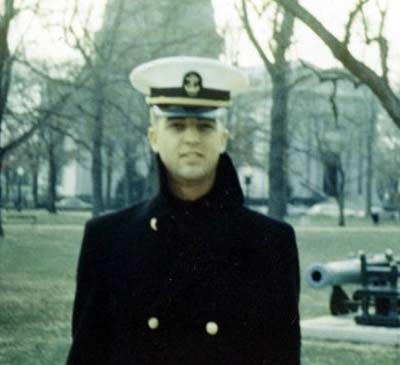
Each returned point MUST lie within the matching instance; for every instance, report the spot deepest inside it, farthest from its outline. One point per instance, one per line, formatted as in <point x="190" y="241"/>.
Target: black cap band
<point x="179" y="92"/>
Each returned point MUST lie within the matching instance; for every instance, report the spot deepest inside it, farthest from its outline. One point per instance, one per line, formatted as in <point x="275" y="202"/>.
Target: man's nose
<point x="191" y="134"/>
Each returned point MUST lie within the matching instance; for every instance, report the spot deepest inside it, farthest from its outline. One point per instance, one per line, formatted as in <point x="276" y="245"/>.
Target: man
<point x="192" y="276"/>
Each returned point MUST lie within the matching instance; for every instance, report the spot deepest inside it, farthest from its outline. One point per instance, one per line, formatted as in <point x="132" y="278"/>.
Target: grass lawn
<point x="37" y="271"/>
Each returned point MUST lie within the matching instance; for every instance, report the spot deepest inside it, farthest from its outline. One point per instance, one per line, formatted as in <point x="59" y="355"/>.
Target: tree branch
<point x="28" y="134"/>
<point x="332" y="74"/>
<point x="245" y="20"/>
<point x="378" y="85"/>
<point x="66" y="133"/>
<point x="358" y="9"/>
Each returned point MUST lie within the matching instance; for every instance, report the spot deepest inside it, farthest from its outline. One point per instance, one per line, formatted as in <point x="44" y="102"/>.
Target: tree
<point x="20" y="112"/>
<point x="6" y="62"/>
<point x="378" y="84"/>
<point x="191" y="33"/>
<point x="278" y="69"/>
<point x="34" y="154"/>
<point x="388" y="164"/>
<point x="110" y="110"/>
<point x="332" y="139"/>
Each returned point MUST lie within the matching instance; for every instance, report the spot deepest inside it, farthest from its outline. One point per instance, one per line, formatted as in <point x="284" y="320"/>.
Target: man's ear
<point x="152" y="137"/>
<point x="224" y="140"/>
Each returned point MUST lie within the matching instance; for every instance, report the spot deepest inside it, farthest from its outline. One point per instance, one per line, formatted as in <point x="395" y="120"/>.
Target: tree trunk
<point x="1" y="198"/>
<point x="5" y="59"/>
<point x="370" y="162"/>
<point x="7" y="186"/>
<point x="277" y="173"/>
<point x="129" y="175"/>
<point x="109" y="174"/>
<point x="334" y="181"/>
<point x="52" y="181"/>
<point x="341" y="192"/>
<point x="97" y="160"/>
<point x="340" y="202"/>
<point x="35" y="186"/>
<point x="277" y="68"/>
<point x="360" y="164"/>
<point x="309" y="158"/>
<point x="126" y="178"/>
<point x="5" y="81"/>
<point x="97" y="178"/>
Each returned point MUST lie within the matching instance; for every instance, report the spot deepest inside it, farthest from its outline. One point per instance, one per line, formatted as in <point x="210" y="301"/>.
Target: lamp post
<point x="248" y="176"/>
<point x="20" y="173"/>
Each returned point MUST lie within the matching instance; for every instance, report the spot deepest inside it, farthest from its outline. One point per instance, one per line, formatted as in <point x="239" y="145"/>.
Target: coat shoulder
<point x="261" y="222"/>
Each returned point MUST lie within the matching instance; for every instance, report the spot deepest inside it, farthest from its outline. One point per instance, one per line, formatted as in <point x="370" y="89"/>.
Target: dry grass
<point x="37" y="270"/>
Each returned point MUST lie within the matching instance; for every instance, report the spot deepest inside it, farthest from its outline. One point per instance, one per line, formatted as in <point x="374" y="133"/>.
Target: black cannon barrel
<point x="340" y="272"/>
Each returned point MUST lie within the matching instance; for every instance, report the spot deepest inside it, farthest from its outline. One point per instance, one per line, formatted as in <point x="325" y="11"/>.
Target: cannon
<point x="376" y="299"/>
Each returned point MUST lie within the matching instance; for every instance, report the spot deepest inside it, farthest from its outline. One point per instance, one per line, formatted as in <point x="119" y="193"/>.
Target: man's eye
<point x="205" y="126"/>
<point x="177" y="126"/>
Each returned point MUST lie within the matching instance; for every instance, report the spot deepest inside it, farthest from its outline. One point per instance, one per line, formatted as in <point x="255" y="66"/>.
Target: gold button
<point x="211" y="328"/>
<point x="153" y="323"/>
<point x="153" y="223"/>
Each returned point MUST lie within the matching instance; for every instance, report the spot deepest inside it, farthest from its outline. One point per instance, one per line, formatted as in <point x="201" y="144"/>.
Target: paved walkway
<point x="45" y="226"/>
<point x="337" y="229"/>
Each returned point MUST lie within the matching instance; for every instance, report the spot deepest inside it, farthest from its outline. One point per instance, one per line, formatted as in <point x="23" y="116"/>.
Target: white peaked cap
<point x="188" y="81"/>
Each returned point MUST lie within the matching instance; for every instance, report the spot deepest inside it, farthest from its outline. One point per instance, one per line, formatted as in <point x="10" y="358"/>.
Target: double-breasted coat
<point x="172" y="282"/>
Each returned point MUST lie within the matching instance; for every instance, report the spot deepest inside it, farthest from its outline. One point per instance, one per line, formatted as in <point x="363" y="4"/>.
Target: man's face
<point x="189" y="148"/>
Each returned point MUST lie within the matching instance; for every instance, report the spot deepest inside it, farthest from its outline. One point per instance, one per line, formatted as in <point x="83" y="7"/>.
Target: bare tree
<point x="378" y="83"/>
<point x="20" y="115"/>
<point x="34" y="154"/>
<point x="278" y="69"/>
<point x="334" y="173"/>
<point x="107" y="105"/>
<point x="328" y="117"/>
<point x="388" y="165"/>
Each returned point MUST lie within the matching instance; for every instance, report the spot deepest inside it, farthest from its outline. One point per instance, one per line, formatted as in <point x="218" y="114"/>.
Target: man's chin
<point x="192" y="173"/>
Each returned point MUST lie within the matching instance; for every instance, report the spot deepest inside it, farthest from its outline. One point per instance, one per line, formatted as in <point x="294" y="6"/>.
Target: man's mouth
<point x="191" y="154"/>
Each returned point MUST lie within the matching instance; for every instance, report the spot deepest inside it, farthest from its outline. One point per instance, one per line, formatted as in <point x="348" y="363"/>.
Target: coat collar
<point x="226" y="194"/>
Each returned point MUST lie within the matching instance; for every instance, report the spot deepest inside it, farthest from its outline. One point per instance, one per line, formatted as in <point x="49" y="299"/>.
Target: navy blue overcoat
<point x="171" y="282"/>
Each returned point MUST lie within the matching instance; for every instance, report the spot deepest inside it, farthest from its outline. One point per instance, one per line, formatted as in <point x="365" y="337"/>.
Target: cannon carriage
<point x="376" y="301"/>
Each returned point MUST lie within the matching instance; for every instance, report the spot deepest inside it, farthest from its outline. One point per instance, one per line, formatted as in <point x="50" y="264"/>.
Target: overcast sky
<point x="307" y="46"/>
<point x="44" y="43"/>
<point x="43" y="36"/>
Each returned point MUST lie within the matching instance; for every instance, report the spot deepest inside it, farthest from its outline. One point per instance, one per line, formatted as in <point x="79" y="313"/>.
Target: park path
<point x="46" y="226"/>
<point x="383" y="229"/>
